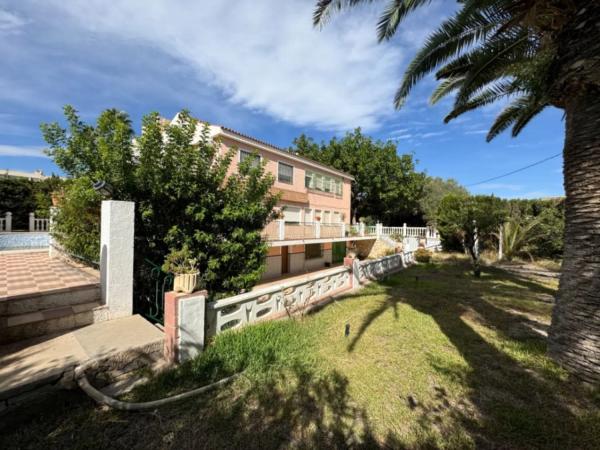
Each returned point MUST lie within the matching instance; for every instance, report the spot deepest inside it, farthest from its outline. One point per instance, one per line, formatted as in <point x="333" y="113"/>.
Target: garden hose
<point x="104" y="399"/>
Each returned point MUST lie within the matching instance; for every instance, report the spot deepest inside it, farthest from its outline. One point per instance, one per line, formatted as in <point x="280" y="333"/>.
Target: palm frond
<point x="518" y="113"/>
<point x="395" y="13"/>
<point x="445" y="88"/>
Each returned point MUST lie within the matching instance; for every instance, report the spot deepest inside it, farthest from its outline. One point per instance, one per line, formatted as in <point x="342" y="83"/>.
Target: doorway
<point x="285" y="260"/>
<point x="338" y="252"/>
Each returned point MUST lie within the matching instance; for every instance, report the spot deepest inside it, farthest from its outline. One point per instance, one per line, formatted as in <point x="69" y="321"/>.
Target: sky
<point x="258" y="67"/>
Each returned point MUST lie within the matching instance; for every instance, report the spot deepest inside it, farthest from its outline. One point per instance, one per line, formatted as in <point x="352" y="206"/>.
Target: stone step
<point x="22" y="326"/>
<point x="57" y="298"/>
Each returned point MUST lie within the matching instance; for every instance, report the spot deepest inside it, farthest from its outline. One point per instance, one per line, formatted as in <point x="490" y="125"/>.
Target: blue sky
<point x="258" y="67"/>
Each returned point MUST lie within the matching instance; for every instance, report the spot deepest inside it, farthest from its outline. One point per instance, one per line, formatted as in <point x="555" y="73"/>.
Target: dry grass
<point x="434" y="359"/>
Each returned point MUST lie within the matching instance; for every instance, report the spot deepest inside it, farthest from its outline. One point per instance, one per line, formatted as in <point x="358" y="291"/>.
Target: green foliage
<point x="423" y="255"/>
<point x="180" y="262"/>
<point x="460" y="215"/>
<point x="21" y="196"/>
<point x="489" y="51"/>
<point x="434" y="190"/>
<point x="386" y="188"/>
<point x="184" y="198"/>
<point x="77" y="221"/>
<point x="517" y="237"/>
<point x="547" y="238"/>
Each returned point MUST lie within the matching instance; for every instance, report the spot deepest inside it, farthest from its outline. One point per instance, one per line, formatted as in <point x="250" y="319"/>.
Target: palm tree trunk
<point x="574" y="337"/>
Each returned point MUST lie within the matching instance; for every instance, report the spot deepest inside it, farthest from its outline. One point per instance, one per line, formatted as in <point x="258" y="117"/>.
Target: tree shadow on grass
<point x="510" y="404"/>
<point x="295" y="408"/>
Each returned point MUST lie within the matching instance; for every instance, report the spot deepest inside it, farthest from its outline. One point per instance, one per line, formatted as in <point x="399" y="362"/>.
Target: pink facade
<point x="302" y="204"/>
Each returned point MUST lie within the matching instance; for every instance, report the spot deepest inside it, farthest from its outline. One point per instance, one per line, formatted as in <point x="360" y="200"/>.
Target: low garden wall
<point x="189" y="320"/>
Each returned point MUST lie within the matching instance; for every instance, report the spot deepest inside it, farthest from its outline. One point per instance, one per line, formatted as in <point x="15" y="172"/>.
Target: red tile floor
<point x="23" y="273"/>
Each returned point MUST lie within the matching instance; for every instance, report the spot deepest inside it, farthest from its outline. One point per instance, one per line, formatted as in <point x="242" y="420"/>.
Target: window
<point x="291" y="214"/>
<point x="285" y="173"/>
<point x="244" y="155"/>
<point x="308" y="216"/>
<point x="312" y="251"/>
<point x="326" y="217"/>
<point x="323" y="183"/>
<point x="309" y="180"/>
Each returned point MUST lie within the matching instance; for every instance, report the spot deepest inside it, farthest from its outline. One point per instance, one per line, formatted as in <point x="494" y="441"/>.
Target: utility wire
<point x="515" y="171"/>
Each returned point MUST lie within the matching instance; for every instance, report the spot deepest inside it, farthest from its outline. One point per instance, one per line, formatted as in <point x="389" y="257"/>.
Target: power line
<point x="515" y="171"/>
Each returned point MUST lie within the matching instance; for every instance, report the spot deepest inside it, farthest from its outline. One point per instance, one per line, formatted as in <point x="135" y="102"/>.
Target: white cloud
<point x="476" y="132"/>
<point x="9" y="22"/>
<point x="266" y="56"/>
<point x="432" y="134"/>
<point x="23" y="151"/>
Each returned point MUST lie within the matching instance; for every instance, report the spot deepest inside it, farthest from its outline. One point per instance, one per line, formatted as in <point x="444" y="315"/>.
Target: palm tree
<point x="515" y="235"/>
<point x="535" y="53"/>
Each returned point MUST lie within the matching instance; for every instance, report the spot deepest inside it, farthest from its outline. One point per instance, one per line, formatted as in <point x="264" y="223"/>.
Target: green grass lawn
<point x="434" y="359"/>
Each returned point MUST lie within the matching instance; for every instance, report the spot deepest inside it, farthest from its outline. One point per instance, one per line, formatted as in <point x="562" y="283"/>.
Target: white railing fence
<point x="38" y="224"/>
<point x="6" y="222"/>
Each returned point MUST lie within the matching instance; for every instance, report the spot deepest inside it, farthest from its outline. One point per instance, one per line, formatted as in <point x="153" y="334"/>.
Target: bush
<point x="183" y="196"/>
<point x="423" y="255"/>
<point x="21" y="196"/>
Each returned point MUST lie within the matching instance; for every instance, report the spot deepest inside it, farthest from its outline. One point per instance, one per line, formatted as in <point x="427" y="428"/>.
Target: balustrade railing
<point x="280" y="230"/>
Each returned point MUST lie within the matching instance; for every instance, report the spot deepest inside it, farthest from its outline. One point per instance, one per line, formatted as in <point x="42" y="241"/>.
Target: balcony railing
<point x="279" y="230"/>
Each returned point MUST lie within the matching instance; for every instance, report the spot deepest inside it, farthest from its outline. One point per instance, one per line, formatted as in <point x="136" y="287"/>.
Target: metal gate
<point x="338" y="252"/>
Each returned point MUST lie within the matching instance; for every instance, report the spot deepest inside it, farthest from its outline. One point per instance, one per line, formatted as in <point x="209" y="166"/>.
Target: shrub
<point x="184" y="198"/>
<point x="423" y="255"/>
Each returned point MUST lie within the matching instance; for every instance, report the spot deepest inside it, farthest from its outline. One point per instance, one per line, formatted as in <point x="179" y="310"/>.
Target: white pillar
<point x="362" y="228"/>
<point x="317" y="229"/>
<point x="8" y="217"/>
<point x="281" y="229"/>
<point x="500" y="243"/>
<point x="116" y="256"/>
<point x="52" y="251"/>
<point x="31" y="221"/>
<point x="404" y="230"/>
<point x="343" y="229"/>
<point x="378" y="227"/>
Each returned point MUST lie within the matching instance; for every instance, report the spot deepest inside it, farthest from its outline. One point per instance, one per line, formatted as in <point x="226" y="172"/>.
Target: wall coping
<point x="276" y="288"/>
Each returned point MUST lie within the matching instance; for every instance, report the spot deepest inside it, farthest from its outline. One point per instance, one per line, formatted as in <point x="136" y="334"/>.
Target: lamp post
<point x="103" y="188"/>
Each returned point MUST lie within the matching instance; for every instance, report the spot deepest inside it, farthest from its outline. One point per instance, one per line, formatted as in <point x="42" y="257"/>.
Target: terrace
<point x="279" y="232"/>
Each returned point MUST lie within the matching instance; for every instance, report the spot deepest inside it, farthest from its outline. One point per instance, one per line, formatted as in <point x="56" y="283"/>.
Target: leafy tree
<point x="467" y="217"/>
<point x="183" y="196"/>
<point x="434" y="191"/>
<point x="386" y="188"/>
<point x="536" y="54"/>
<point x="21" y="196"/>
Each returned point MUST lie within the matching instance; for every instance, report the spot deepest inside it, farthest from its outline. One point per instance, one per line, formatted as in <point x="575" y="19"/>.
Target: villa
<point x="314" y="229"/>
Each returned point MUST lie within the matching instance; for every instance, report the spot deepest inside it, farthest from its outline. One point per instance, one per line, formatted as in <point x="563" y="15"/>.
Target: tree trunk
<point x="574" y="337"/>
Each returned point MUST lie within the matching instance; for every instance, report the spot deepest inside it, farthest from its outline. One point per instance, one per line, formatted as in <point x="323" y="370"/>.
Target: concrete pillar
<point x="378" y="228"/>
<point x="317" y="229"/>
<point x="281" y="229"/>
<point x="362" y="228"/>
<point x="404" y="230"/>
<point x="343" y="229"/>
<point x="116" y="256"/>
<point x="52" y="251"/>
<point x="185" y="325"/>
<point x="8" y="217"/>
<point x="31" y="221"/>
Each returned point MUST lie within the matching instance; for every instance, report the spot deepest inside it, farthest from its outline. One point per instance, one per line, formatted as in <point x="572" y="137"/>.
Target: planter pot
<point x="56" y="198"/>
<point x="186" y="282"/>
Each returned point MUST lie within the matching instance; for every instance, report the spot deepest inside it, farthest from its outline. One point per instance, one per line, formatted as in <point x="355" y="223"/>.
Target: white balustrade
<point x="274" y="301"/>
<point x="38" y="224"/>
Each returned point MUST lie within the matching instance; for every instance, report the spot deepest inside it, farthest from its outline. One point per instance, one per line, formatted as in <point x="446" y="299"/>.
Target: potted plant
<point x="185" y="269"/>
<point x="57" y="196"/>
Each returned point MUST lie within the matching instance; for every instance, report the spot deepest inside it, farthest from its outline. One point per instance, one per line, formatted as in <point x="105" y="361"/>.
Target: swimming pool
<point x="25" y="240"/>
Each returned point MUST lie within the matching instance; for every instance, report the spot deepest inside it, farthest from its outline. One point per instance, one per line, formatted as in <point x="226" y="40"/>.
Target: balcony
<point x="279" y="232"/>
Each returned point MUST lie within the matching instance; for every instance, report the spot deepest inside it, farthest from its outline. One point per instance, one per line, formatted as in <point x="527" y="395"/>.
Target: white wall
<point x="273" y="267"/>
